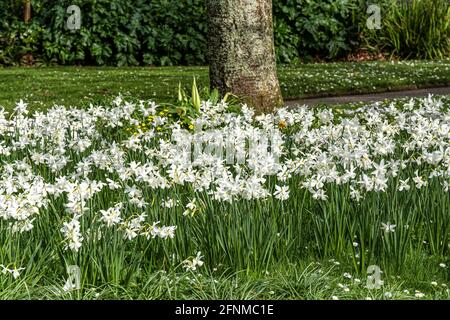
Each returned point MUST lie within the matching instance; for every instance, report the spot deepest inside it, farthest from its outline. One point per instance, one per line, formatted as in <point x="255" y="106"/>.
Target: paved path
<point x="369" y="97"/>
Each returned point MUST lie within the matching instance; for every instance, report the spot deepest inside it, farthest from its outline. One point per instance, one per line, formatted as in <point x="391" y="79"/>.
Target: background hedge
<point x="164" y="32"/>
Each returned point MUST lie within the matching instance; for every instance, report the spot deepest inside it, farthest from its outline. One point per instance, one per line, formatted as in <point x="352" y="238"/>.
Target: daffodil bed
<point x="295" y="204"/>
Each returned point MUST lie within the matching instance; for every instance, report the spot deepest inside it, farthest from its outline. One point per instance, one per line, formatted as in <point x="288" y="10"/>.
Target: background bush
<point x="113" y="32"/>
<point x="323" y="29"/>
<point x="413" y="29"/>
<point x="169" y="32"/>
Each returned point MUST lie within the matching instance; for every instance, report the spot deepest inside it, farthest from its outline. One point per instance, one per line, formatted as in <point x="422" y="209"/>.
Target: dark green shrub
<point x="19" y="40"/>
<point x="117" y="32"/>
<point x="325" y="29"/>
<point x="173" y="32"/>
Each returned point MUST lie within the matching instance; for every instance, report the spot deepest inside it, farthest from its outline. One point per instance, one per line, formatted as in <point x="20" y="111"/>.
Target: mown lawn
<point x="43" y="87"/>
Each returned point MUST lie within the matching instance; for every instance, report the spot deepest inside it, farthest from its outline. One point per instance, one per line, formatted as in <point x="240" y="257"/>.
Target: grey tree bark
<point x="242" y="51"/>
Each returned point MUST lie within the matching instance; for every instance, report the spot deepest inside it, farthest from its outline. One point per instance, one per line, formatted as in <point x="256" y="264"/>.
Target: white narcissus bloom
<point x="15" y="272"/>
<point x="388" y="227"/>
<point x="191" y="208"/>
<point x="281" y="193"/>
<point x="111" y="216"/>
<point x="130" y="233"/>
<point x="197" y="260"/>
<point x="167" y="232"/>
<point x="72" y="233"/>
<point x="319" y="195"/>
<point x="404" y="186"/>
<point x="170" y="203"/>
<point x="194" y="263"/>
<point x="21" y="107"/>
<point x="419" y="181"/>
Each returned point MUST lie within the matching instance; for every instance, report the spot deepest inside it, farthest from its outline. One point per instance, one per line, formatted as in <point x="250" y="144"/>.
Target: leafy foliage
<point x="114" y="32"/>
<point x="320" y="28"/>
<point x="166" y="33"/>
<point x="413" y="29"/>
<point x="186" y="108"/>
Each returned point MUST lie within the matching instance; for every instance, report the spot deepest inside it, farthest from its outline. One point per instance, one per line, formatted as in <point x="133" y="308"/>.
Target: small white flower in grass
<point x="343" y="287"/>
<point x="348" y="275"/>
<point x="388" y="227"/>
<point x="170" y="203"/>
<point x="68" y="286"/>
<point x="419" y="181"/>
<point x="113" y="185"/>
<point x="434" y="283"/>
<point x="21" y="107"/>
<point x="130" y="233"/>
<point x="191" y="208"/>
<point x="22" y="226"/>
<point x="319" y="195"/>
<point x="388" y="295"/>
<point x="118" y="100"/>
<point x="15" y="272"/>
<point x="197" y="260"/>
<point x="404" y="185"/>
<point x="446" y="186"/>
<point x="355" y="194"/>
<point x="72" y="233"/>
<point x="442" y="265"/>
<point x="355" y="244"/>
<point x="167" y="232"/>
<point x="111" y="216"/>
<point x="281" y="193"/>
<point x="194" y="263"/>
<point x="334" y="298"/>
<point x="153" y="230"/>
<point x="419" y="294"/>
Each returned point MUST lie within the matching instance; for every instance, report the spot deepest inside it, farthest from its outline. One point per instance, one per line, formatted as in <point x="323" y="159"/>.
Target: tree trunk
<point x="27" y="11"/>
<point x="242" y="51"/>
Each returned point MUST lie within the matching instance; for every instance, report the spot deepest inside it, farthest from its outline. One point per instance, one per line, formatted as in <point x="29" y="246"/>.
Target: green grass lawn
<point x="43" y="87"/>
<point x="324" y="280"/>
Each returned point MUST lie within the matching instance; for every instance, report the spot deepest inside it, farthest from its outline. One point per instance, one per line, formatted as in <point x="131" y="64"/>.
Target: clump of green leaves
<point x="187" y="107"/>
